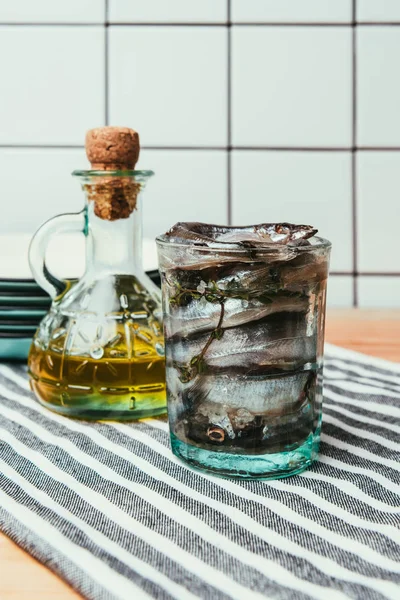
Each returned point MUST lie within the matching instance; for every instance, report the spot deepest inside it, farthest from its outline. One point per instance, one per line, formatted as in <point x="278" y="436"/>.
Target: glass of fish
<point x="244" y="311"/>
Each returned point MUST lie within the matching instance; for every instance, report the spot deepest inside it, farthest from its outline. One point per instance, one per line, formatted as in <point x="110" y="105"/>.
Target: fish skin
<point x="263" y="233"/>
<point x="242" y="394"/>
<point x="257" y="394"/>
<point x="251" y="278"/>
<point x="200" y="257"/>
<point x="254" y="278"/>
<point x="235" y="243"/>
<point x="273" y="342"/>
<point x="205" y="246"/>
<point x="260" y="435"/>
<point x="201" y="315"/>
<point x="303" y="272"/>
<point x="277" y="423"/>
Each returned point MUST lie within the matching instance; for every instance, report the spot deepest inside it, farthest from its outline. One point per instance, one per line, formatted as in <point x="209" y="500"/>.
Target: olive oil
<point x="125" y="381"/>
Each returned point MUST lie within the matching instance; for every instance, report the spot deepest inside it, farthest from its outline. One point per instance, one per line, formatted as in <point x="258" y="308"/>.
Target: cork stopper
<point x="113" y="149"/>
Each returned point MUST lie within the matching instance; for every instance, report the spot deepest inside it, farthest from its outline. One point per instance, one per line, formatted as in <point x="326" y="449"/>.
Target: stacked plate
<point x="23" y="303"/>
<point x="22" y="306"/>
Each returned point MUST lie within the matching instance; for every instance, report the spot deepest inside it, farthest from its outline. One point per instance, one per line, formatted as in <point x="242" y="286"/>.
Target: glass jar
<point x="244" y="334"/>
<point x="99" y="352"/>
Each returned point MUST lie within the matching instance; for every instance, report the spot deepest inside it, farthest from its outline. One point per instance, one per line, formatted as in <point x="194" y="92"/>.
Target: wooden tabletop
<point x="372" y="332"/>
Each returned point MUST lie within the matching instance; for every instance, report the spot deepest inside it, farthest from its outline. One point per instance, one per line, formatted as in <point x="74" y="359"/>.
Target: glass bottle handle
<point x="37" y="249"/>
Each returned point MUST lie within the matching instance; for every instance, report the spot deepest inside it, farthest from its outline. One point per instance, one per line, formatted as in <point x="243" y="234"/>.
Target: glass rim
<point x="113" y="173"/>
<point x="229" y="248"/>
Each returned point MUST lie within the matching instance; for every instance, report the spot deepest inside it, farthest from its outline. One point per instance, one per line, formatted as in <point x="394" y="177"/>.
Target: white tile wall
<point x="375" y="292"/>
<point x="378" y="86"/>
<point x="49" y="11"/>
<point x="291" y="86"/>
<point x="378" y="10"/>
<point x="171" y="83"/>
<point x="188" y="185"/>
<point x="378" y="198"/>
<point x="52" y="83"/>
<point x="260" y="120"/>
<point x="167" y="11"/>
<point x="36" y="184"/>
<point x="291" y="11"/>
<point x="303" y="187"/>
<point x="340" y="291"/>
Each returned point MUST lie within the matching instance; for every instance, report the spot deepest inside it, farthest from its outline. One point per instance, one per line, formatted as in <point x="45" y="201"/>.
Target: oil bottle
<point x="99" y="352"/>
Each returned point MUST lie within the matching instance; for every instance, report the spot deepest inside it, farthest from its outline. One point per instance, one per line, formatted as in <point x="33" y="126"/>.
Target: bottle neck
<point x="114" y="247"/>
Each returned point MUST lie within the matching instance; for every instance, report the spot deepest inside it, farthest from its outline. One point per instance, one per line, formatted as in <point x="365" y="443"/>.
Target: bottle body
<point x="99" y="352"/>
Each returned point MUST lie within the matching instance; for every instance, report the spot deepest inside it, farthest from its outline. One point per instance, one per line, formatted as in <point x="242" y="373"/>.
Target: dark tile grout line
<point x="352" y="23"/>
<point x="99" y="24"/>
<point x="211" y="24"/>
<point x="377" y="24"/>
<point x="318" y="148"/>
<point x="293" y="148"/>
<point x="42" y="146"/>
<point x="208" y="148"/>
<point x="364" y="274"/>
<point x="229" y="115"/>
<point x="229" y="188"/>
<point x="353" y="155"/>
<point x="349" y="150"/>
<point x="229" y="23"/>
<point x="106" y="69"/>
<point x="377" y="148"/>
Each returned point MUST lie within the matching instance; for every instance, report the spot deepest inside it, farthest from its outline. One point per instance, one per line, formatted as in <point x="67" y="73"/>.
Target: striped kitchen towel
<point x="108" y="508"/>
